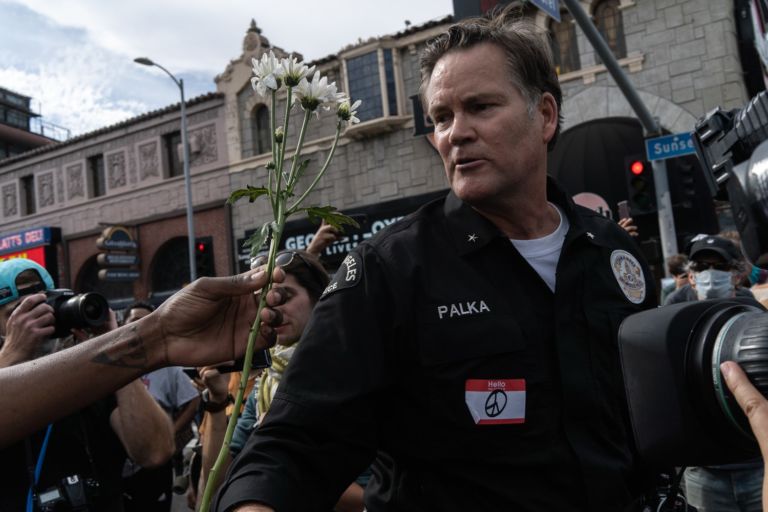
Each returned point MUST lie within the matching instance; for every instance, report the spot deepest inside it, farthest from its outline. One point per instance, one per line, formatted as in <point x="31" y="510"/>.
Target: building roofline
<point x="106" y="129"/>
<point x="397" y="35"/>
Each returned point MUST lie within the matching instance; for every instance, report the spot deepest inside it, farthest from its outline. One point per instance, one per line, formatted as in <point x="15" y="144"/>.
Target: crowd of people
<point x="465" y="358"/>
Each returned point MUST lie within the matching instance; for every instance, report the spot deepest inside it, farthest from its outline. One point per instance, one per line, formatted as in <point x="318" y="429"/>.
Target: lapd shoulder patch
<point x="629" y="275"/>
<point x="349" y="274"/>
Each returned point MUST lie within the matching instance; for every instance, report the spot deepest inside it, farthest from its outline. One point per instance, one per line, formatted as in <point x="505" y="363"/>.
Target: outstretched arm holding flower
<point x="206" y="322"/>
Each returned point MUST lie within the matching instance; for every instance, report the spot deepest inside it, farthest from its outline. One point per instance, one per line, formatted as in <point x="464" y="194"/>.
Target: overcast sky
<point x="75" y="57"/>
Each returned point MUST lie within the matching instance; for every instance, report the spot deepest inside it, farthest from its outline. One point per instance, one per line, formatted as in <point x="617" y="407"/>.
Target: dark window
<point x="609" y="23"/>
<point x="262" y="138"/>
<point x="16" y="118"/>
<point x="565" y="51"/>
<point x="390" y="75"/>
<point x="28" y="195"/>
<point x="365" y="84"/>
<point x="172" y="144"/>
<point x="98" y="186"/>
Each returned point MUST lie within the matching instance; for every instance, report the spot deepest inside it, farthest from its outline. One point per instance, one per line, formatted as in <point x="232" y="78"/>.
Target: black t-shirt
<point x="82" y="444"/>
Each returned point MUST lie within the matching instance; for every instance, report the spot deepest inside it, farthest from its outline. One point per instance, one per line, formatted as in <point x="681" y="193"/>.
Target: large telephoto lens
<point x="734" y="332"/>
<point x="681" y="411"/>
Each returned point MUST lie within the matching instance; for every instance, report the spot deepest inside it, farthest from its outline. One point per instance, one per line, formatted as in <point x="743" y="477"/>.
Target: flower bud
<point x="279" y="134"/>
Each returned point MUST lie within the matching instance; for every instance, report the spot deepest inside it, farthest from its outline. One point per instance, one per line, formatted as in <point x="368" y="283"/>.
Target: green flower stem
<point x="296" y="204"/>
<point x="213" y="477"/>
<point x="279" y="164"/>
<point x="297" y="154"/>
<point x="272" y="122"/>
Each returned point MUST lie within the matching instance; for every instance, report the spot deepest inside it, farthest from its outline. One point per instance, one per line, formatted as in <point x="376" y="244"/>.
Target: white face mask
<point x="713" y="284"/>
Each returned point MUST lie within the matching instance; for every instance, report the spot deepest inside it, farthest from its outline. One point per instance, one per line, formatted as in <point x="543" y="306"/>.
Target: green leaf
<point x="256" y="240"/>
<point x="252" y="193"/>
<point x="331" y="216"/>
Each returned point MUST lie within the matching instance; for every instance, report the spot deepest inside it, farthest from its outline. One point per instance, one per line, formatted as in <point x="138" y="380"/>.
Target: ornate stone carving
<point x="10" y="205"/>
<point x="203" y="147"/>
<point x="148" y="161"/>
<point x="45" y="189"/>
<point x="75" y="182"/>
<point x="59" y="185"/>
<point x="116" y="170"/>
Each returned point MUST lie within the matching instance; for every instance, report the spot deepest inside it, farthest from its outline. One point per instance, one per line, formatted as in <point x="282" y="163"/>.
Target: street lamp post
<point x="187" y="180"/>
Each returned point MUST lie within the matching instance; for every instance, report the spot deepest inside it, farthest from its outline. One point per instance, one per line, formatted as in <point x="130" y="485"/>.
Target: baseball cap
<point x="717" y="244"/>
<point x="10" y="270"/>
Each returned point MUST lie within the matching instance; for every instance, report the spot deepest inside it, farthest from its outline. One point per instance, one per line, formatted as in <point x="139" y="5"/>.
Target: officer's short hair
<point x="528" y="54"/>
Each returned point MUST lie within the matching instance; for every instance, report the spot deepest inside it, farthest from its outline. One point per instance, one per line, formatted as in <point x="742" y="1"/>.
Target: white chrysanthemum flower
<point x="347" y="112"/>
<point x="267" y="73"/>
<point x="294" y="71"/>
<point x="318" y="92"/>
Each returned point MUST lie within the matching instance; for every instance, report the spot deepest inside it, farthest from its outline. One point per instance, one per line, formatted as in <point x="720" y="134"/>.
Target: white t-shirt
<point x="543" y="253"/>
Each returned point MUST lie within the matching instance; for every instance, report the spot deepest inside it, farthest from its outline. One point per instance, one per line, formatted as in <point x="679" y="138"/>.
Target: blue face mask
<point x="713" y="284"/>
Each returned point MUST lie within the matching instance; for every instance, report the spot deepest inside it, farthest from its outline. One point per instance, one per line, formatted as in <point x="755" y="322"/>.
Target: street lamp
<point x="187" y="181"/>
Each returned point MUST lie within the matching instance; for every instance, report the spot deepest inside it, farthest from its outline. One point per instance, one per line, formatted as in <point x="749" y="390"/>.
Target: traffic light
<point x="684" y="176"/>
<point x="204" y="256"/>
<point x="640" y="189"/>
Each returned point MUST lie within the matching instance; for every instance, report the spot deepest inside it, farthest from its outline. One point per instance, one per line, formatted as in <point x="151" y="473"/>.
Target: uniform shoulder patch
<point x="349" y="274"/>
<point x="629" y="275"/>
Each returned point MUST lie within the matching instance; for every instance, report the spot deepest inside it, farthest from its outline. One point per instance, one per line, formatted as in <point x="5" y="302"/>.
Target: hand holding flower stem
<point x="271" y="74"/>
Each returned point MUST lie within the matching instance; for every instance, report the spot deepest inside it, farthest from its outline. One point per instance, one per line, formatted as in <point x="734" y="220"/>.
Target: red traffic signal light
<point x="640" y="187"/>
<point x="201" y="247"/>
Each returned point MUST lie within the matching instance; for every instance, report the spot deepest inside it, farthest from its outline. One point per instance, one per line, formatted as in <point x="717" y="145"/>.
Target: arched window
<point x="262" y="138"/>
<point x="565" y="51"/>
<point x="170" y="266"/>
<point x="609" y="22"/>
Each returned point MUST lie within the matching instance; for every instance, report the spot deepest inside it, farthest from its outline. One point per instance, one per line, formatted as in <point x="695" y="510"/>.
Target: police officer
<point x="471" y="347"/>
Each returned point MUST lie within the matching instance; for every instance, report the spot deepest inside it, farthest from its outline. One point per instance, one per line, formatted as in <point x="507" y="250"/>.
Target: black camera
<point x="74" y="493"/>
<point x="681" y="411"/>
<point x="77" y="311"/>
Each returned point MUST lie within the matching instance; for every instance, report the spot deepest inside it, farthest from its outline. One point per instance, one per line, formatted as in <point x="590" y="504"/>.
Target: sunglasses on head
<point x="288" y="260"/>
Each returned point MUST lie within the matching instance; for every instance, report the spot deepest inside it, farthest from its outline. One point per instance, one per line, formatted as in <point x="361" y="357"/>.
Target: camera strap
<point x="87" y="446"/>
<point x="38" y="467"/>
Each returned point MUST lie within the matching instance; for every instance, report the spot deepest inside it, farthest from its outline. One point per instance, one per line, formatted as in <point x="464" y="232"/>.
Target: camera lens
<point x="83" y="310"/>
<point x="744" y="339"/>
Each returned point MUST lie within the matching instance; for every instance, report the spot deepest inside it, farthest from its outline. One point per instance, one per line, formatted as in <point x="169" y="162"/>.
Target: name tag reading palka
<point x="496" y="401"/>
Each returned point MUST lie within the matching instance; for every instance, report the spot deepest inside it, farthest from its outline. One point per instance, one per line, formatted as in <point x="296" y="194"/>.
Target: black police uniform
<point x="416" y="317"/>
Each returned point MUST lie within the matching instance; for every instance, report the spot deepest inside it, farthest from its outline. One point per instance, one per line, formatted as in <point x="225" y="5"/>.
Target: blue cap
<point x="10" y="270"/>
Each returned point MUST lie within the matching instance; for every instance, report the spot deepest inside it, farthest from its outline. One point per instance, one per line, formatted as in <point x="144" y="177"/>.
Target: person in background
<point x="150" y="489"/>
<point x="714" y="271"/>
<point x="304" y="283"/>
<point x="677" y="267"/>
<point x="78" y="459"/>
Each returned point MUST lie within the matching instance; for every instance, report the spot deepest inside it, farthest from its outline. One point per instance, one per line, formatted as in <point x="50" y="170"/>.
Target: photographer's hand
<point x="755" y="407"/>
<point x="28" y="326"/>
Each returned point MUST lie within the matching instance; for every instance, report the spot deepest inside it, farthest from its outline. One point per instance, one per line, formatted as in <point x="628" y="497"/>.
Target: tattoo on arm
<point x="126" y="351"/>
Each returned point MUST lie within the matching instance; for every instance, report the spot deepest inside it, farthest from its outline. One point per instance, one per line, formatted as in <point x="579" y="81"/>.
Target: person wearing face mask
<point x="714" y="270"/>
